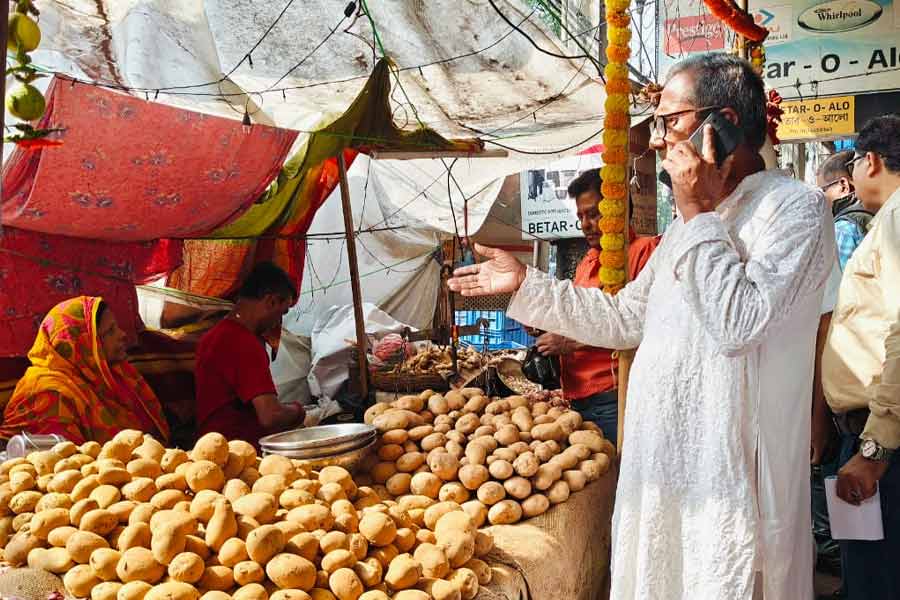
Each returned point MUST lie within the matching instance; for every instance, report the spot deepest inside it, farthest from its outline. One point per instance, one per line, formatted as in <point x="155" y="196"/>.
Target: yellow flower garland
<point x="614" y="191"/>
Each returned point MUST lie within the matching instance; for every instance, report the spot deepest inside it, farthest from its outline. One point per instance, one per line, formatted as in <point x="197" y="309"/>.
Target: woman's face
<point x="112" y="338"/>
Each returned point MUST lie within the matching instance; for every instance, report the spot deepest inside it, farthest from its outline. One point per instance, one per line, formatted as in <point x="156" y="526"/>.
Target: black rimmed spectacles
<point x="851" y="164"/>
<point x="659" y="125"/>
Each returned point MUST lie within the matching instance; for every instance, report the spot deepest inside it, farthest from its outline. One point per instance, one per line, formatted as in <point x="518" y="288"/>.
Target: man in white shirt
<point x="711" y="501"/>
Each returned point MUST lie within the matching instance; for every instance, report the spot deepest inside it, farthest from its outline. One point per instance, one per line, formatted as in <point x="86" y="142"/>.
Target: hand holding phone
<point x="700" y="166"/>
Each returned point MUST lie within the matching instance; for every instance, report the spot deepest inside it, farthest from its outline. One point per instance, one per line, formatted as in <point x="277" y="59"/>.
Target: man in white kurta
<point x="713" y="500"/>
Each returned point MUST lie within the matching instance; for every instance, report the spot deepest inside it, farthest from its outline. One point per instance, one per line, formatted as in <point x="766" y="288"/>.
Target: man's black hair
<point x="881" y="135"/>
<point x="728" y="81"/>
<point x="267" y="278"/>
<point x="835" y="166"/>
<point x="587" y="181"/>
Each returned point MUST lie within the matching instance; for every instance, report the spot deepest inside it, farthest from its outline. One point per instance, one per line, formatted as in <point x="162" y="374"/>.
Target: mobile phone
<point x="727" y="136"/>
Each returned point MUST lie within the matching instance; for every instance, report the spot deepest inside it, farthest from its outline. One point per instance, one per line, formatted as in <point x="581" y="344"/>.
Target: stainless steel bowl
<point x="349" y="460"/>
<point x="323" y="451"/>
<point x="316" y="437"/>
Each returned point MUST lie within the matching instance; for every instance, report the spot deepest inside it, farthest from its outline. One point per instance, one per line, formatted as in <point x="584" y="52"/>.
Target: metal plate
<point x="348" y="460"/>
<point x="316" y="437"/>
<point x="323" y="451"/>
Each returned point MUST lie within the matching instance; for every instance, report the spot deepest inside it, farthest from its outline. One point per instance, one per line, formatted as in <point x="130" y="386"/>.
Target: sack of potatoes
<point x="498" y="459"/>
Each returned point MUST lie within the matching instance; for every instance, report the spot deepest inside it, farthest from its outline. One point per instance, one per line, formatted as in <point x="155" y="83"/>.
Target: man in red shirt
<point x="588" y="375"/>
<point x="235" y="392"/>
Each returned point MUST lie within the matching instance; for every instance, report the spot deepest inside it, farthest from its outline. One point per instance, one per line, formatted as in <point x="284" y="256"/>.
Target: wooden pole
<point x="361" y="344"/>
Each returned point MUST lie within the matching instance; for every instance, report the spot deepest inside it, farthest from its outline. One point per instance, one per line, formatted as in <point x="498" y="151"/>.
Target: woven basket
<point x="407" y="382"/>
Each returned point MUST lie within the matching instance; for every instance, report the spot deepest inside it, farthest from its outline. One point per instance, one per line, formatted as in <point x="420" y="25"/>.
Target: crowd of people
<point x="768" y="316"/>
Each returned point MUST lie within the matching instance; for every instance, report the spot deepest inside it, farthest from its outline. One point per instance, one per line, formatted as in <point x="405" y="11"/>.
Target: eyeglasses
<point x="659" y="124"/>
<point x="851" y="164"/>
<point x="829" y="184"/>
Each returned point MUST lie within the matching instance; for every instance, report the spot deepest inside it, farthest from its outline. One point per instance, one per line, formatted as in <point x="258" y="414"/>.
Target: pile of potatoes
<point x="499" y="460"/>
<point x="132" y="520"/>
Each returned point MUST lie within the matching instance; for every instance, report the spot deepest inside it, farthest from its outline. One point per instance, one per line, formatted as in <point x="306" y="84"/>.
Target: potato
<point x="575" y="479"/>
<point x="135" y="564"/>
<point x="204" y="475"/>
<point x="467" y="582"/>
<point x="104" y="562"/>
<point x="144" y="467"/>
<point x="412" y="595"/>
<point x="410" y="461"/>
<point x="44" y="522"/>
<point x="338" y="559"/>
<point x="53" y="500"/>
<point x="99" y="521"/>
<point x="172" y="458"/>
<point x="186" y="567"/>
<point x="455" y="449"/>
<point x="108" y="590"/>
<point x="21" y="481"/>
<point x="258" y="505"/>
<point x="392" y="419"/>
<point x="248" y="572"/>
<point x="265" y="542"/>
<point x="593" y="469"/>
<point x="345" y="584"/>
<point x="166" y="499"/>
<point x="303" y="544"/>
<point x="117" y="476"/>
<point x="547" y="474"/>
<point x="173" y="590"/>
<point x="334" y="540"/>
<point x="383" y="471"/>
<point x="216" y="578"/>
<point x="253" y="591"/>
<point x="139" y="489"/>
<point x="312" y="517"/>
<point x="167" y="541"/>
<point x="215" y="595"/>
<point x="274" y="483"/>
<point x="379" y="529"/>
<point x="233" y="551"/>
<point x="19" y="546"/>
<point x="491" y="493"/>
<point x="22" y="522"/>
<point x="444" y="465"/>
<point x="375" y="410"/>
<point x="54" y="560"/>
<point x="403" y="572"/>
<point x="457" y="545"/>
<point x="134" y="590"/>
<point x="433" y="561"/>
<point x="390" y="452"/>
<point x="505" y="512"/>
<point x="507" y="435"/>
<point x="58" y="538"/>
<point x="142" y="513"/>
<point x="592" y="439"/>
<point x="79" y="581"/>
<point x="212" y="447"/>
<point x="280" y="595"/>
<point x="292" y="571"/>
<point x="472" y="476"/>
<point x="467" y="424"/>
<point x="82" y="544"/>
<point x="24" y="502"/>
<point x="136" y="535"/>
<point x="526" y="464"/>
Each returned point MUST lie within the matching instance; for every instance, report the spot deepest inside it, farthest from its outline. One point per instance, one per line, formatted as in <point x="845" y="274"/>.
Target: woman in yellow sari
<point x="80" y="384"/>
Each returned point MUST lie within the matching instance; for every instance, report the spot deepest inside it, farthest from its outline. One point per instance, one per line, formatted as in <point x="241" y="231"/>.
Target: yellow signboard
<point x="817" y="119"/>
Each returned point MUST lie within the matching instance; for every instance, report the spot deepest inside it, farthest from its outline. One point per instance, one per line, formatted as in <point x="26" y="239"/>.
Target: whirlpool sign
<point x="830" y="48"/>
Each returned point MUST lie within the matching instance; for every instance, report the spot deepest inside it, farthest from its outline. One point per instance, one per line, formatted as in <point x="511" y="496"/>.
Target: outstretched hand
<point x="502" y="273"/>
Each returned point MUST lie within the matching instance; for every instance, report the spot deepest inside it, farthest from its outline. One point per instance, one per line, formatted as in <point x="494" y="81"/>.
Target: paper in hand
<point x="849" y="522"/>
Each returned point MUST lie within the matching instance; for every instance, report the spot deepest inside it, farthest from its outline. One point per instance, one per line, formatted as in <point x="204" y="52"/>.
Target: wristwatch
<point x="872" y="450"/>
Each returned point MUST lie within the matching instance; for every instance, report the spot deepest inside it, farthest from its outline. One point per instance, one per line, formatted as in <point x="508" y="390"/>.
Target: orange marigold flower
<point x="617" y="120"/>
<point x="613" y="191"/>
<point x="617" y="86"/>
<point x="615" y="71"/>
<point x="611" y="225"/>
<point x="618" y="19"/>
<point x="611" y="208"/>
<point x="614" y="259"/>
<point x="620" y="36"/>
<point x="612" y="241"/>
<point x="613" y="173"/>
<point x="610" y="276"/>
<point x="615" y="156"/>
<point x="614" y="6"/>
<point x="617" y="53"/>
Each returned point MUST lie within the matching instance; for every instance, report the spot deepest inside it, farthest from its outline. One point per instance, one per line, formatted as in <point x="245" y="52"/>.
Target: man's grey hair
<point x="728" y="81"/>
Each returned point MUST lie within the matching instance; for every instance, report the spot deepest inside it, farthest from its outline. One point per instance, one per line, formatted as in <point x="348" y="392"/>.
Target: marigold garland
<point x="612" y="259"/>
<point x="737" y="20"/>
<point x="614" y="192"/>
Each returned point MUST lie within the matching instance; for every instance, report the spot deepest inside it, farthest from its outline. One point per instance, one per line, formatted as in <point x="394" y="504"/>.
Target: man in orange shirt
<point x="588" y="375"/>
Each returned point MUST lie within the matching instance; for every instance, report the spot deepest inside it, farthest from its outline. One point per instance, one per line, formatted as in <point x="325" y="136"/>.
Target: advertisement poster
<point x="547" y="211"/>
<point x="835" y="47"/>
<point x="815" y="48"/>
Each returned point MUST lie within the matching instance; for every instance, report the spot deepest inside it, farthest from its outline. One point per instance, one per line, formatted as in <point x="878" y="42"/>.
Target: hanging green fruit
<point x="26" y="103"/>
<point x="24" y="33"/>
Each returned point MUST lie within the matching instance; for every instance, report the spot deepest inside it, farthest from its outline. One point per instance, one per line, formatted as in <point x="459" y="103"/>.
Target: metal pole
<point x="4" y="36"/>
<point x="361" y="345"/>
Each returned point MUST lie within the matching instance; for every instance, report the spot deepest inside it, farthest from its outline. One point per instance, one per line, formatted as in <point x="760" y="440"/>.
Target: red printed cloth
<point x="132" y="170"/>
<point x="38" y="271"/>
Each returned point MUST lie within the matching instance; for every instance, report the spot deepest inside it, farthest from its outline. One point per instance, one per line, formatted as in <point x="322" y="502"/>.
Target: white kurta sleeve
<point x="586" y="315"/>
<point x="738" y="300"/>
